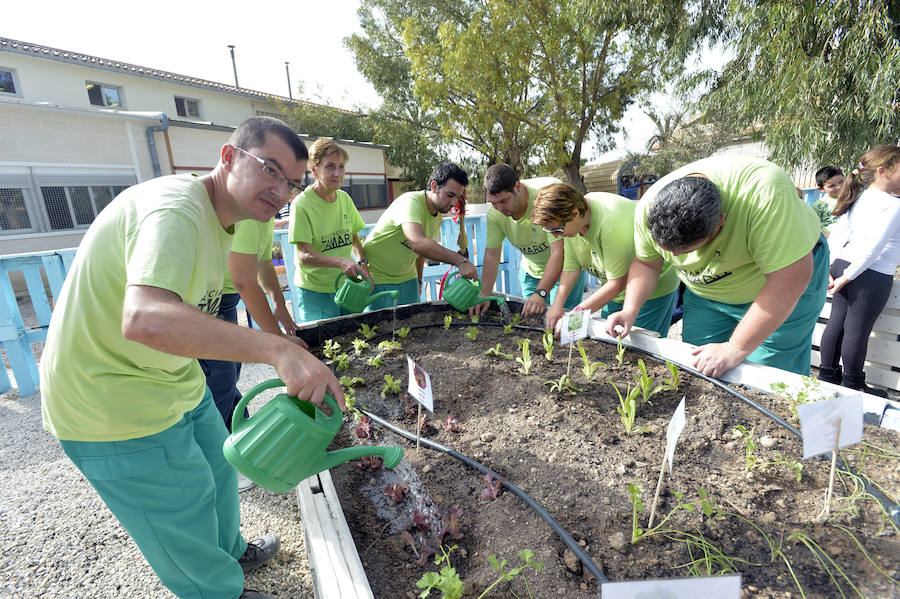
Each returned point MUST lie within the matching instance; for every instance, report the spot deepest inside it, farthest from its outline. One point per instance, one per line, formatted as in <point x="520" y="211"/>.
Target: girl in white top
<point x="865" y="251"/>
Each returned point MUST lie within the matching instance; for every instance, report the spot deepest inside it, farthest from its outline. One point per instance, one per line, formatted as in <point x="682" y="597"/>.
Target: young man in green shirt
<point x="512" y="202"/>
<point x="750" y="253"/>
<point x="120" y="384"/>
<point x="405" y="235"/>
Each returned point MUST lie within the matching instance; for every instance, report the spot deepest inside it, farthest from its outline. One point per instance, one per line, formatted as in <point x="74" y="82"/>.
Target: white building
<point x="77" y="129"/>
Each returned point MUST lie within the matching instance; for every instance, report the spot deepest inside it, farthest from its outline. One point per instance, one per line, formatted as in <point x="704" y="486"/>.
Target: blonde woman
<point x="324" y="225"/>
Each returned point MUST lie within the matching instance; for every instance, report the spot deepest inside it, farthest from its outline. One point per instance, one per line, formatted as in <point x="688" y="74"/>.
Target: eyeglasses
<point x="273" y="172"/>
<point x="560" y="229"/>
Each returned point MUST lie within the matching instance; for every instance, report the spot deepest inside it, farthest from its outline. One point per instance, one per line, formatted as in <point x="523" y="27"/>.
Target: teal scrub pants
<point x="409" y="294"/>
<point x="655" y="314"/>
<point x="529" y="284"/>
<point x="789" y="347"/>
<point x="315" y="305"/>
<point x="177" y="497"/>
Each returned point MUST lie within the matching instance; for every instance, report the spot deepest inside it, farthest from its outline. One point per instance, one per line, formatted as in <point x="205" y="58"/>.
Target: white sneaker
<point x="244" y="483"/>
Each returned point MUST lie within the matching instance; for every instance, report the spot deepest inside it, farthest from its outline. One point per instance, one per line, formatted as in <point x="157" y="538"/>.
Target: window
<point x="13" y="210"/>
<point x="104" y="95"/>
<point x="367" y="191"/>
<point x="187" y="107"/>
<point x="8" y="83"/>
<point x="76" y="206"/>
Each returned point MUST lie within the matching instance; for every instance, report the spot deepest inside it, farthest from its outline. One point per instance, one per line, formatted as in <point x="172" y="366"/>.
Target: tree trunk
<point x="573" y="176"/>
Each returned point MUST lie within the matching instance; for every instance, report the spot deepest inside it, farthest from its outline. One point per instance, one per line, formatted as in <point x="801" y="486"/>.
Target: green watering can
<point x="285" y="441"/>
<point x="462" y="293"/>
<point x="353" y="294"/>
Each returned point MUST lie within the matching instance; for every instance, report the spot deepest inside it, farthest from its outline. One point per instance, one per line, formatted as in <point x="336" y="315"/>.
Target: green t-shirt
<point x="250" y="237"/>
<point x="96" y="385"/>
<point x="328" y="227"/>
<point x="606" y="251"/>
<point x="824" y="208"/>
<point x="390" y="258"/>
<point x="767" y="227"/>
<point x="529" y="238"/>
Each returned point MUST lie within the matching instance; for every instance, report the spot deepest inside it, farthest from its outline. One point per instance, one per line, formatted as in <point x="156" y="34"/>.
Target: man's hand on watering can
<point x="353" y="270"/>
<point x="307" y="378"/>
<point x="467" y="270"/>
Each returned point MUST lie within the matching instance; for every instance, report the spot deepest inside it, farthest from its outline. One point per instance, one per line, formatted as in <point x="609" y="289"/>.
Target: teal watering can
<point x="353" y="294"/>
<point x="286" y="440"/>
<point x="462" y="293"/>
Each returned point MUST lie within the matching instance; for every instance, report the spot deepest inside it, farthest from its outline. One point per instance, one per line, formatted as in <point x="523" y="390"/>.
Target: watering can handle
<point x="238" y="417"/>
<point x="359" y="276"/>
<point x="443" y="281"/>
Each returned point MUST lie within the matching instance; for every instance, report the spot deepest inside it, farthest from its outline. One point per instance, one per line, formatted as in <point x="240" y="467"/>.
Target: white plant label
<point x="673" y="432"/>
<point x="820" y="422"/>
<point x="420" y="385"/>
<point x="720" y="587"/>
<point x="574" y="326"/>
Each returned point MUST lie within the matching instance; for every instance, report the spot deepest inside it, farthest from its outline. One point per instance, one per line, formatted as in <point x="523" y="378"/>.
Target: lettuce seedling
<point x="645" y="383"/>
<point x="627" y="407"/>
<point x="364" y="429"/>
<point x="507" y="328"/>
<point x="386" y="347"/>
<point x="547" y="340"/>
<point x="396" y="493"/>
<point x="564" y="384"/>
<point x="525" y="360"/>
<point x="451" y="523"/>
<point x="402" y="332"/>
<point x="391" y="385"/>
<point x="342" y="361"/>
<point x="491" y="487"/>
<point x="348" y="383"/>
<point x="495" y="351"/>
<point x="674" y="381"/>
<point x="410" y="405"/>
<point x="448" y="320"/>
<point x="375" y="362"/>
<point x="620" y="351"/>
<point x="587" y="367"/>
<point x="420" y="519"/>
<point x="472" y="333"/>
<point x="331" y="348"/>
<point x="370" y="462"/>
<point x="475" y="318"/>
<point x="359" y="345"/>
<point x="451" y="425"/>
<point x="516" y="319"/>
<point x="367" y="331"/>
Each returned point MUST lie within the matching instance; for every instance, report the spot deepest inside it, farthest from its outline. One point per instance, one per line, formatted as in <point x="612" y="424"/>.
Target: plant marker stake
<point x="673" y="432"/>
<point x="837" y="439"/>
<point x="418" y="428"/>
<point x="569" y="365"/>
<point x="662" y="472"/>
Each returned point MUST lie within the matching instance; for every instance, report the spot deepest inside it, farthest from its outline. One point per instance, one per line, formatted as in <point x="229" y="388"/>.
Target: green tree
<point x="818" y="77"/>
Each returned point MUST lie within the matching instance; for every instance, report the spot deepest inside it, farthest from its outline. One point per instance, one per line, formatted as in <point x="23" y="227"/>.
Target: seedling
<point x="491" y="488"/>
<point x="527" y="556"/>
<point x="423" y="421"/>
<point x="390" y="386"/>
<point x="451" y="523"/>
<point x="587" y="367"/>
<point x="750" y="446"/>
<point x="364" y="429"/>
<point x="620" y="351"/>
<point x="386" y="347"/>
<point x="402" y="332"/>
<point x="627" y="407"/>
<point x="410" y="405"/>
<point x="809" y="392"/>
<point x="330" y="349"/>
<point x="645" y="384"/>
<point x="547" y="340"/>
<point x="367" y="331"/>
<point x="516" y="319"/>
<point x="448" y="320"/>
<point x="446" y="581"/>
<point x="451" y="425"/>
<point x="375" y="362"/>
<point x="420" y="519"/>
<point x="370" y="462"/>
<point x="507" y="328"/>
<point x="472" y="332"/>
<point x="359" y="345"/>
<point x="495" y="351"/>
<point x="525" y="360"/>
<point x="564" y="384"/>
<point x="475" y="318"/>
<point x="674" y="381"/>
<point x="342" y="361"/>
<point x="348" y="383"/>
<point x="396" y="493"/>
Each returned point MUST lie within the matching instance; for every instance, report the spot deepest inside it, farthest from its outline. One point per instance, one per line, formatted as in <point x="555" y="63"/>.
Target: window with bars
<point x="14" y="210"/>
<point x="76" y="206"/>
<point x="187" y="107"/>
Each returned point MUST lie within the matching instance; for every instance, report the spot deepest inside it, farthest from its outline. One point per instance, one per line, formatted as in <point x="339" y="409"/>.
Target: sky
<point x="308" y="35"/>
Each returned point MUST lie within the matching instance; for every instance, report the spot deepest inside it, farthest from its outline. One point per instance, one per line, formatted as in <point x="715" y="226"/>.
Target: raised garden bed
<point x="571" y="453"/>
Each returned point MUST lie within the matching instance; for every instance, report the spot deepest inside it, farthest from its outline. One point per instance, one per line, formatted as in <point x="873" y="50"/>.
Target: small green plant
<point x="547" y="340"/>
<point x="516" y="319"/>
<point x="645" y="384"/>
<point x="674" y="381"/>
<point x="525" y="360"/>
<point x="740" y="431"/>
<point x="495" y="351"/>
<point x="587" y="367"/>
<point x="627" y="407"/>
<point x="348" y="383"/>
<point x="809" y="392"/>
<point x="620" y="352"/>
<point x="527" y="557"/>
<point x="331" y="348"/>
<point x="564" y="384"/>
<point x="386" y="347"/>
<point x="448" y="320"/>
<point x="447" y="581"/>
<point x="507" y="328"/>
<point x="359" y="345"/>
<point x="474" y="318"/>
<point x="391" y="385"/>
<point x="342" y="361"/>
<point x="367" y="331"/>
<point x="402" y="332"/>
<point x="472" y="332"/>
<point x="375" y="362"/>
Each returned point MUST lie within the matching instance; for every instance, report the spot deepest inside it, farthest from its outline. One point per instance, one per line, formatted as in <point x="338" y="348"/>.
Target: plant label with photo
<point x="720" y="587"/>
<point x="821" y="420"/>
<point x="574" y="326"/>
<point x="420" y="385"/>
<point x="673" y="432"/>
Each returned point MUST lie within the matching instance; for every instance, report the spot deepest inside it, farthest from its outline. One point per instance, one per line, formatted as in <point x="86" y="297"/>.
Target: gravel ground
<point x="59" y="540"/>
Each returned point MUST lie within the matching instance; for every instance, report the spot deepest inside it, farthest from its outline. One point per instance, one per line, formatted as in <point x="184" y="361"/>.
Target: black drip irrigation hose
<point x="580" y="553"/>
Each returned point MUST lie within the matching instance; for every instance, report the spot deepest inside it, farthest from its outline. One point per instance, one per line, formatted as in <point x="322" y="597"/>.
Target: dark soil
<point x="572" y="454"/>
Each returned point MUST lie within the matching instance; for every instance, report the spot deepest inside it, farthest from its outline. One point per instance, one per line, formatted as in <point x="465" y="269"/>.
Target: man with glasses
<point x="512" y="202"/>
<point x="405" y="234"/>
<point x="121" y="386"/>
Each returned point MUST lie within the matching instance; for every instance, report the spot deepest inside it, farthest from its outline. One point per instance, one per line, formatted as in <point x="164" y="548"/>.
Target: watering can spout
<point x="390" y="455"/>
<point x="393" y="293"/>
